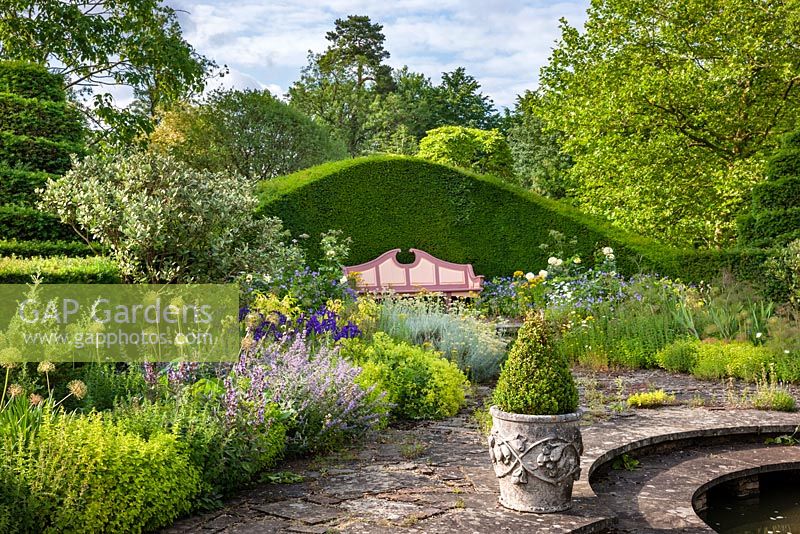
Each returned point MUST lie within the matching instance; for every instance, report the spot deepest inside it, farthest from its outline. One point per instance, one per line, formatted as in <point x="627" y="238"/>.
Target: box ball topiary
<point x="535" y="379"/>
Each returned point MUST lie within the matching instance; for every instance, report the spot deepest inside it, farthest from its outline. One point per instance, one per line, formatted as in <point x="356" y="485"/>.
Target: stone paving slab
<point x="446" y="483"/>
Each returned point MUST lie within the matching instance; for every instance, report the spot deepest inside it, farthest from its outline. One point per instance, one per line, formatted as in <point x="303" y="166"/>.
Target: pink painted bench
<point x="427" y="272"/>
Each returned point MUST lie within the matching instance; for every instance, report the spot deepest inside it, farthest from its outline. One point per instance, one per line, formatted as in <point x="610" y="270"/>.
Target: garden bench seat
<point x="426" y="273"/>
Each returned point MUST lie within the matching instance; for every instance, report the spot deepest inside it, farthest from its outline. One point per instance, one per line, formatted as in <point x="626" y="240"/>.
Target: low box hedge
<point x="59" y="270"/>
<point x="30" y="249"/>
<point x="29" y="224"/>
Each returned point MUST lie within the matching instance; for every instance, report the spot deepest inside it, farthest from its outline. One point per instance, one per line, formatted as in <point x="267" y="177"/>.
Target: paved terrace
<point x="436" y="476"/>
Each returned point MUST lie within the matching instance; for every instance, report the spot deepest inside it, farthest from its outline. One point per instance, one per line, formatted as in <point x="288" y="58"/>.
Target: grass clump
<point x="651" y="399"/>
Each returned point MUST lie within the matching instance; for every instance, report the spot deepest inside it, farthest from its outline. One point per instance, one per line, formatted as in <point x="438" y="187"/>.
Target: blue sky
<point x="265" y="43"/>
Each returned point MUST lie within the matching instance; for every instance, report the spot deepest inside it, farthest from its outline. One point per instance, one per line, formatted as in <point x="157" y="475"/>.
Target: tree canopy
<point x="251" y="133"/>
<point x="97" y="44"/>
<point x="668" y="108"/>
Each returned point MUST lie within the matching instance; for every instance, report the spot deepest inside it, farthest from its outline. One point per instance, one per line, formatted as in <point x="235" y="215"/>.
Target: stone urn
<point x="536" y="459"/>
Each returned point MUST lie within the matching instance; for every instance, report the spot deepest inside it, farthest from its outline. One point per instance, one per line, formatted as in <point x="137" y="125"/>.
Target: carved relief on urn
<point x="536" y="459"/>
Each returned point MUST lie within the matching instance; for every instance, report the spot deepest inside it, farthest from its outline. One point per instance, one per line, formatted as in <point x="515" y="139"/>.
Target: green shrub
<point x="650" y="399"/>
<point x="785" y="268"/>
<point x="481" y="151"/>
<point x="535" y="379"/>
<point x="248" y="132"/>
<point x="57" y="121"/>
<point x="774" y="217"/>
<point x="226" y="456"/>
<point x="735" y="359"/>
<point x="386" y="202"/>
<point x="19" y="187"/>
<point x="30" y="80"/>
<point x="774" y="399"/>
<point x="470" y="343"/>
<point x="87" y="474"/>
<point x="37" y="153"/>
<point x="419" y="383"/>
<point x="680" y="356"/>
<point x="45" y="249"/>
<point x="163" y="221"/>
<point x="31" y="224"/>
<point x="107" y="384"/>
<point x="59" y="270"/>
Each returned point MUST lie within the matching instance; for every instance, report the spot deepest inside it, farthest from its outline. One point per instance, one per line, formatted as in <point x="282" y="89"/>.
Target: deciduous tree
<point x="668" y="108"/>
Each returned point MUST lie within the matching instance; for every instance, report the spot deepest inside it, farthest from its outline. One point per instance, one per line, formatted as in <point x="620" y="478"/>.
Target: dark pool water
<point x="776" y="510"/>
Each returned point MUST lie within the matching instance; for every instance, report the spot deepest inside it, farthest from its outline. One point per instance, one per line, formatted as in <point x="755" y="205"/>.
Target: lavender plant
<point x="317" y="388"/>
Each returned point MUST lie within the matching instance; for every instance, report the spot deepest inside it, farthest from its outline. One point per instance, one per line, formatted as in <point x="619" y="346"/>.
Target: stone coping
<point x="436" y="477"/>
<point x="661" y="496"/>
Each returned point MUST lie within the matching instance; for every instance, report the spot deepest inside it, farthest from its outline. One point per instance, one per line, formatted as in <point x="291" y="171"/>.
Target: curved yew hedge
<point x="386" y="202"/>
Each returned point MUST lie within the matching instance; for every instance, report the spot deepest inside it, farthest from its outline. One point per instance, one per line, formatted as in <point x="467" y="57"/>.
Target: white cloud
<point x="266" y="43"/>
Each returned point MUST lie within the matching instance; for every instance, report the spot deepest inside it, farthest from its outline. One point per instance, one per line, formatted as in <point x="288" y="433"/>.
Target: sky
<point x="265" y="43"/>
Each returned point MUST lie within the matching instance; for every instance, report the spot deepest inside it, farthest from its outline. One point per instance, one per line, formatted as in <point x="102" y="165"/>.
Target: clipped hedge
<point x="19" y="187"/>
<point x="30" y="249"/>
<point x="86" y="474"/>
<point x="37" y="153"/>
<point x="57" y="121"/>
<point x="59" y="270"/>
<point x="387" y="202"/>
<point x="774" y="217"/>
<point x="21" y="223"/>
<point x="31" y="81"/>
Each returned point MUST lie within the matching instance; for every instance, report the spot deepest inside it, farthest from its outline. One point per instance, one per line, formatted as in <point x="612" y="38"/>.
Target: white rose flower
<point x="529" y="276"/>
<point x="552" y="260"/>
<point x="543" y="273"/>
<point x="608" y="251"/>
<point x="343" y="280"/>
<point x="610" y="256"/>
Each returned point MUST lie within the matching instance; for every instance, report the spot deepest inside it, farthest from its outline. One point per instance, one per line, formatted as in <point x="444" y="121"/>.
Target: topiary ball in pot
<point x="535" y="444"/>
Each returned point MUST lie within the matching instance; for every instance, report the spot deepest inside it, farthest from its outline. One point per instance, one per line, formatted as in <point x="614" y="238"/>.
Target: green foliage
<point x="251" y="133"/>
<point x="650" y="399"/>
<point x="29" y="249"/>
<point x="37" y="153"/>
<point x="774" y="399"/>
<point x="735" y="359"/>
<point x="668" y="108"/>
<point x="419" y="383"/>
<point x="58" y="121"/>
<point x="535" y="379"/>
<point x="226" y="456"/>
<point x="774" y="218"/>
<point x="462" y="104"/>
<point x="469" y="342"/>
<point x="107" y="384"/>
<point x="29" y="224"/>
<point x="19" y="187"/>
<point x="680" y="356"/>
<point x="88" y="40"/>
<point x="386" y="202"/>
<point x="625" y="462"/>
<point x="339" y="86"/>
<point x="163" y="222"/>
<point x="30" y="80"/>
<point x="86" y="473"/>
<point x="539" y="163"/>
<point x="784" y="266"/>
<point x="484" y="152"/>
<point x="59" y="270"/>
<point x="37" y="133"/>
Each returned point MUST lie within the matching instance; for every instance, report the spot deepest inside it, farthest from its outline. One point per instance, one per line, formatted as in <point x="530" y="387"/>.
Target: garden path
<point x="436" y="476"/>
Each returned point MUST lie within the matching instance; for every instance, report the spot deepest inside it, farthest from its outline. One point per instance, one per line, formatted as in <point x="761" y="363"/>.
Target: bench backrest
<point x="427" y="272"/>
